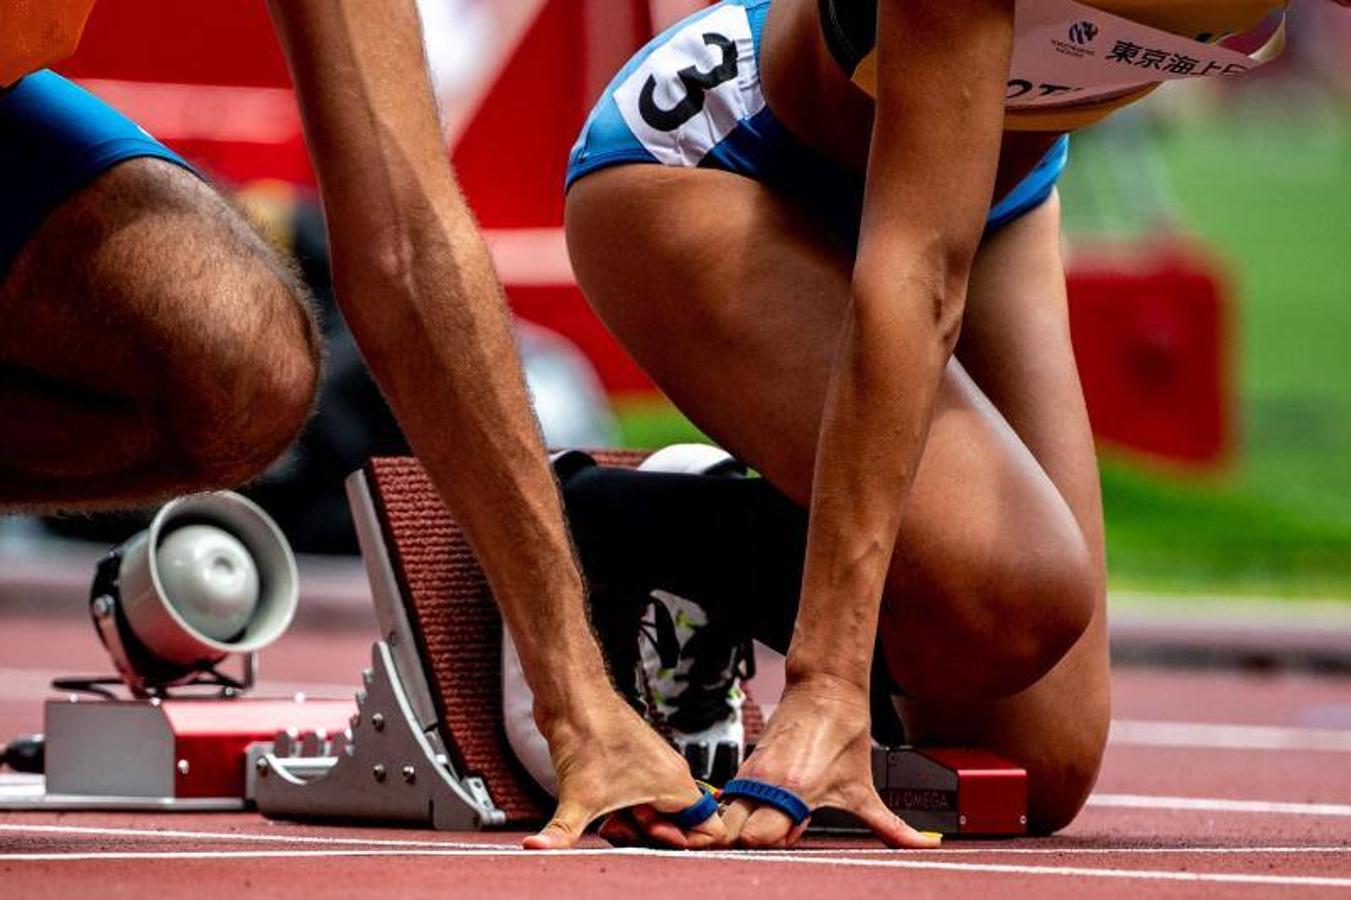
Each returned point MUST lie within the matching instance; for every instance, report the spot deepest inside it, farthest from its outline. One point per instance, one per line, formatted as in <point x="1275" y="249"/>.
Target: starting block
<point x="427" y="746"/>
<point x="967" y="792"/>
<point x="427" y="743"/>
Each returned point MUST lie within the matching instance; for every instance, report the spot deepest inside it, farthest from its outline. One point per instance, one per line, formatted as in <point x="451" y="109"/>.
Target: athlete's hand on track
<point x="817" y="745"/>
<point x="610" y="761"/>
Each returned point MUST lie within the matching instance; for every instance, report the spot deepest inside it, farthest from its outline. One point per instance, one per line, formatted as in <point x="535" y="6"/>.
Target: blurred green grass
<point x="1271" y="192"/>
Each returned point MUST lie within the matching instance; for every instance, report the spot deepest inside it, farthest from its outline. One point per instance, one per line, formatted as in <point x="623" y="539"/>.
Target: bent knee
<point x="172" y="304"/>
<point x="252" y="399"/>
<point x="999" y="630"/>
<point x="1045" y="608"/>
<point x="1061" y="777"/>
<point x="242" y="388"/>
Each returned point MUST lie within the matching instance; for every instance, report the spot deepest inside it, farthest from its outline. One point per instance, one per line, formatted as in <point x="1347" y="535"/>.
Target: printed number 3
<point x="696" y="84"/>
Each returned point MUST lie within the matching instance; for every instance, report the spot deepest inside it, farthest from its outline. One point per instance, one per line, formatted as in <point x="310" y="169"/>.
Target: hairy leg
<point x="153" y="344"/>
<point x="733" y="300"/>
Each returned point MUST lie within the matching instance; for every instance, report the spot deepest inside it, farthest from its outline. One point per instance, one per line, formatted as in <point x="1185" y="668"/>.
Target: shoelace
<point x="661" y="634"/>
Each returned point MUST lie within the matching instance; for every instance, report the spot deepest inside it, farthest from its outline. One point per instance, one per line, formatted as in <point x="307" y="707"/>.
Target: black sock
<point x="733" y="545"/>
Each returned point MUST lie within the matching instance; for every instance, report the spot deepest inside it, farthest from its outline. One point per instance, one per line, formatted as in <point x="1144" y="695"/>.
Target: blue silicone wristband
<point x="782" y="799"/>
<point x="696" y="813"/>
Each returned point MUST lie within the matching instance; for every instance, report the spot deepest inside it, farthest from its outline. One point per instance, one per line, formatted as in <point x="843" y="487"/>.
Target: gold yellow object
<point x="36" y="33"/>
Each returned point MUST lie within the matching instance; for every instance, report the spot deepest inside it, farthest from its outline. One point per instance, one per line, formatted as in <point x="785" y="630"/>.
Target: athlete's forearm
<point x="417" y="288"/>
<point x="890" y="361"/>
<point x="931" y="173"/>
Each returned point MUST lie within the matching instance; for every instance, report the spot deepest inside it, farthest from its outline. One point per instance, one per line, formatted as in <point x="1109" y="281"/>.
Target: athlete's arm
<point x="416" y="286"/>
<point x="943" y="66"/>
<point x="942" y="71"/>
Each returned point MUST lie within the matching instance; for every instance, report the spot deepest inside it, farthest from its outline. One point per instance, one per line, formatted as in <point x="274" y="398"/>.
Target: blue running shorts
<point x="691" y="98"/>
<point x="56" y="137"/>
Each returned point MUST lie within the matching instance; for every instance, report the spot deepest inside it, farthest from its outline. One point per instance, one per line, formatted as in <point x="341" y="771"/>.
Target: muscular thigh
<point x="733" y="300"/>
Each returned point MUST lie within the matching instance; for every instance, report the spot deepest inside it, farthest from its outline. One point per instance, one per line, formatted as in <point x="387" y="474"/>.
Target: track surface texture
<point x="1215" y="784"/>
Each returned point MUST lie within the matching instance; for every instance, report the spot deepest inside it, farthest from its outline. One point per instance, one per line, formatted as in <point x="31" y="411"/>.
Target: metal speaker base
<point x="28" y="793"/>
<point x="157" y="755"/>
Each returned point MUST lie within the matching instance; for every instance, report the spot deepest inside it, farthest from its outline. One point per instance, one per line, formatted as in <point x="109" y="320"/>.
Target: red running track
<point x="1214" y="784"/>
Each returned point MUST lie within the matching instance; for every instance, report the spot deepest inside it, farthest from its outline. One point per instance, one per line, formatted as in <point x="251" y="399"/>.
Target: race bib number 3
<point x="692" y="91"/>
<point x="1065" y="52"/>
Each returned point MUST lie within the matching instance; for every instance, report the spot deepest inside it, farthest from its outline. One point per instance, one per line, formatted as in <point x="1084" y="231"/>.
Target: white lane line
<point x="703" y="858"/>
<point x="395" y="843"/>
<point x="168" y="855"/>
<point x="994" y="849"/>
<point x="1063" y="871"/>
<point x="1213" y="804"/>
<point x="1106" y="801"/>
<point x="1143" y="733"/>
<point x="98" y="831"/>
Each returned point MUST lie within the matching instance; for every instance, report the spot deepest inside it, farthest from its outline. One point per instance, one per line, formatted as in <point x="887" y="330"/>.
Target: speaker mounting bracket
<point x="120" y="642"/>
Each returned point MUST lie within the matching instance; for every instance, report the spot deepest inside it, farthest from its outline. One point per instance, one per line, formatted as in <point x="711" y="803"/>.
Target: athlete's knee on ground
<point x="1062" y="772"/>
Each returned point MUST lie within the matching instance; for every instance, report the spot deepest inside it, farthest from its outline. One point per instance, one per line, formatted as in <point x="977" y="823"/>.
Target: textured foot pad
<point x="460" y="631"/>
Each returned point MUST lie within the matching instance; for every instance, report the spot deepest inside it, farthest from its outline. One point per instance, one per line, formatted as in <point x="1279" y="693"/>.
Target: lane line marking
<point x="1063" y="871"/>
<point x="1099" y="800"/>
<point x="1144" y="733"/>
<point x="743" y="857"/>
<point x="1215" y="804"/>
<point x="112" y="831"/>
<point x="1091" y="851"/>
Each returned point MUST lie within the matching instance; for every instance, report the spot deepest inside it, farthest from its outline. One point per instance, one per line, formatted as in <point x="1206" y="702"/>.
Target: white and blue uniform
<point x="691" y="98"/>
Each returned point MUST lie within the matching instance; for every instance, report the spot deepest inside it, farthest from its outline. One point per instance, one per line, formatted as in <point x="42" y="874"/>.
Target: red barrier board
<point x="1151" y="331"/>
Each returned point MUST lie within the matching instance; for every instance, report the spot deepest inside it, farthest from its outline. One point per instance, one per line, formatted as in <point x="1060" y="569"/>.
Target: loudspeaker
<point x="212" y="576"/>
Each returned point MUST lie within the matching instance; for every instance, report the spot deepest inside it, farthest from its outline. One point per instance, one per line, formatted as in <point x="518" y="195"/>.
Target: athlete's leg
<point x="152" y="344"/>
<point x="1016" y="345"/>
<point x="733" y="301"/>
